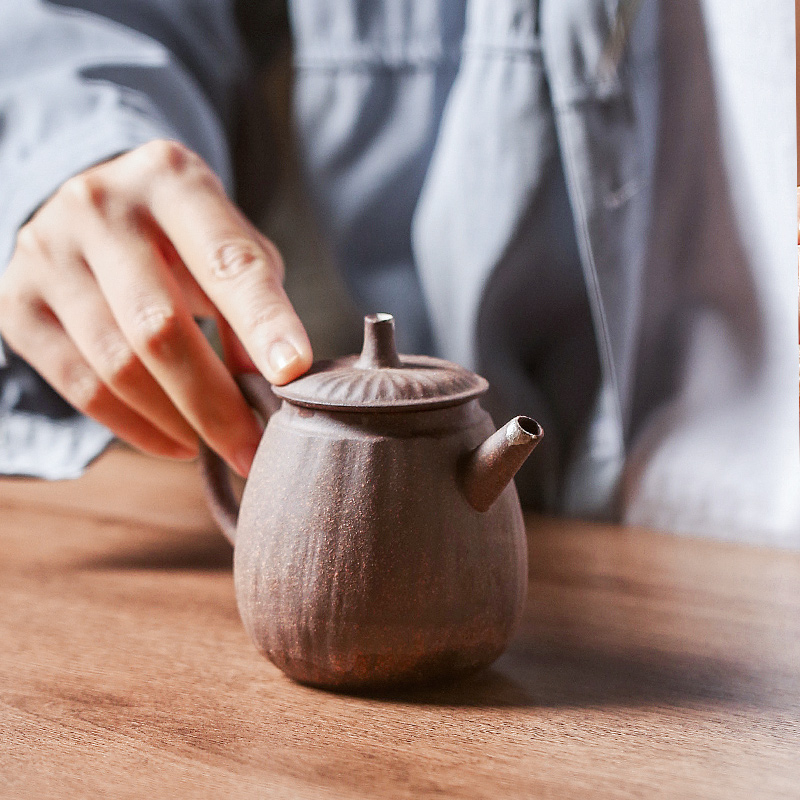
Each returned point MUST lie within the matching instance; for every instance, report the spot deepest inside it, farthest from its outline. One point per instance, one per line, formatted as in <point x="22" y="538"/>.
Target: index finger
<point x="239" y="269"/>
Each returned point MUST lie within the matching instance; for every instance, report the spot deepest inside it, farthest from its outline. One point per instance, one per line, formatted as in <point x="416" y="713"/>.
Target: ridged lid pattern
<point x="382" y="380"/>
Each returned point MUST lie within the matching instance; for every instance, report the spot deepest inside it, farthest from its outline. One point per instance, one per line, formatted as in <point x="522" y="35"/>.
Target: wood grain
<point x="647" y="666"/>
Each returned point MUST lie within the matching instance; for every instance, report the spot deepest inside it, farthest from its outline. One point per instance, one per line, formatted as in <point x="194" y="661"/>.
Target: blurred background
<point x="270" y="186"/>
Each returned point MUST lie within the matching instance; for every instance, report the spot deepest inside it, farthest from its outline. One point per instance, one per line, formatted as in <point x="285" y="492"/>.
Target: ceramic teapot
<point x="380" y="539"/>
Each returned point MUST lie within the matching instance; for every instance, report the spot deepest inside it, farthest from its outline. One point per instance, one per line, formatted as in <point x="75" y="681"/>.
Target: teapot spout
<point x="490" y="467"/>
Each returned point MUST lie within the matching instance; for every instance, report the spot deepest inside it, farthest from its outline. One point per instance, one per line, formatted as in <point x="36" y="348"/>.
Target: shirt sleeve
<point x="83" y="81"/>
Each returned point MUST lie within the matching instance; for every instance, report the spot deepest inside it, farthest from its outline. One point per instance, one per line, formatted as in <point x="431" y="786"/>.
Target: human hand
<point x="100" y="294"/>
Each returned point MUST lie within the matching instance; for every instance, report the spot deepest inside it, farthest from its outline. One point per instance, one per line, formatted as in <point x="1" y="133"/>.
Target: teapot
<point x="380" y="540"/>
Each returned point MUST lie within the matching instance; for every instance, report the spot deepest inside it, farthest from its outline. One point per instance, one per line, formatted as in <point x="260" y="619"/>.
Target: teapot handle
<point x="214" y="471"/>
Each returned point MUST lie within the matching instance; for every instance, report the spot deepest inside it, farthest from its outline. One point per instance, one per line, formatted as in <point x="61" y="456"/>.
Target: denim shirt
<point x="564" y="195"/>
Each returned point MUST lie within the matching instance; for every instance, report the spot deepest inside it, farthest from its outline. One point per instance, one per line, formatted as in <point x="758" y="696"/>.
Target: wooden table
<point x="648" y="666"/>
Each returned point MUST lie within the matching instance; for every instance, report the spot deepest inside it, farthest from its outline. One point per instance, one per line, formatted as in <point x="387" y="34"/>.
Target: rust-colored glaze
<point x="383" y="543"/>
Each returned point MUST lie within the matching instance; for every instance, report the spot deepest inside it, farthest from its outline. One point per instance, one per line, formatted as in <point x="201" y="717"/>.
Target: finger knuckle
<point x="31" y="241"/>
<point x="89" y="191"/>
<point x="168" y="155"/>
<point x="237" y="257"/>
<point x="156" y="329"/>
<point x="117" y="361"/>
<point x="80" y="386"/>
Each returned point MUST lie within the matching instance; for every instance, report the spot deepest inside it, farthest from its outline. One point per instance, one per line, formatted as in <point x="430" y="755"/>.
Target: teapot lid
<point x="380" y="379"/>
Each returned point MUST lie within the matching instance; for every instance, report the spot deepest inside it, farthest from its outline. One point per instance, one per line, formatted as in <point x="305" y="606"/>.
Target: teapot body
<point x="359" y="563"/>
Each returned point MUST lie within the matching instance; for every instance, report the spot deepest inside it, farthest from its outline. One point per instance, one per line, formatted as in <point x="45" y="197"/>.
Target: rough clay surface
<point x="359" y="562"/>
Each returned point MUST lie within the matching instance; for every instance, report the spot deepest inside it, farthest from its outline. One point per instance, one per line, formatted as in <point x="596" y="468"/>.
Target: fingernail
<point x="243" y="459"/>
<point x="282" y="355"/>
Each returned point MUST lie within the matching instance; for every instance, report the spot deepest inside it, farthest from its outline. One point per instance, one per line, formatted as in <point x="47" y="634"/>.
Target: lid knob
<point x="379" y="347"/>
